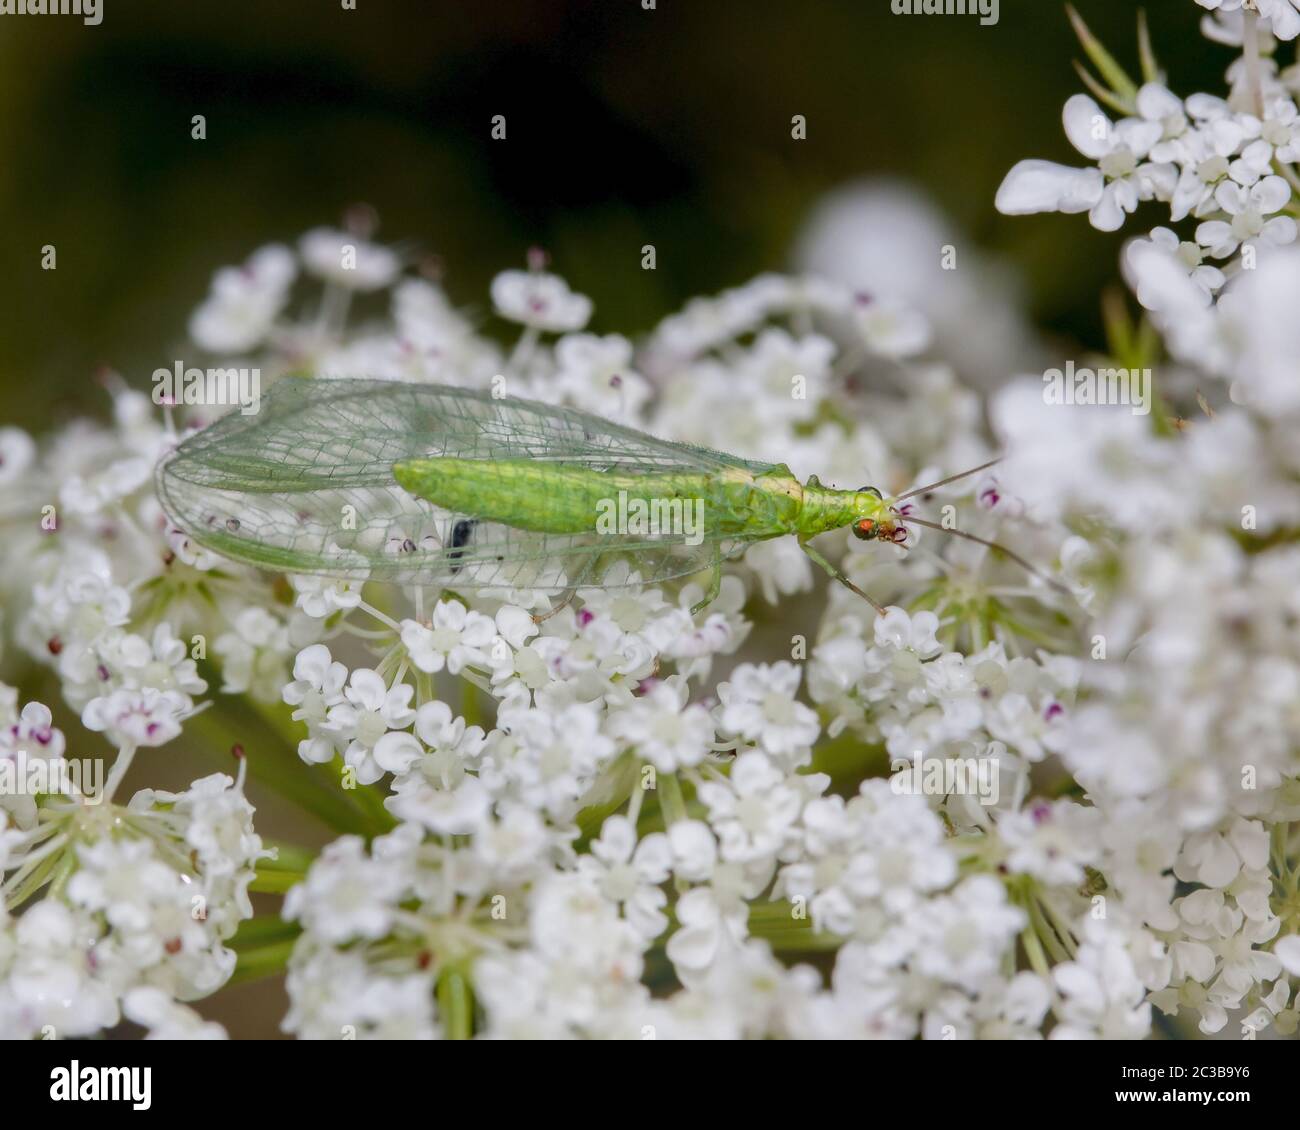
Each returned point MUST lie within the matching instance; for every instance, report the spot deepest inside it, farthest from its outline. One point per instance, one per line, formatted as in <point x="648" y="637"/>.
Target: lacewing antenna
<point x="950" y="479"/>
<point x="993" y="545"/>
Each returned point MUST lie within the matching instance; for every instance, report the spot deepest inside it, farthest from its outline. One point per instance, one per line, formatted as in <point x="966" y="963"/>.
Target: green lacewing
<point x="443" y="486"/>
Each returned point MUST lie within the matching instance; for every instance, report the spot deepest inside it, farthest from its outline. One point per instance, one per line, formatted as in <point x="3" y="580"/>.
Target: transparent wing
<point x="305" y="485"/>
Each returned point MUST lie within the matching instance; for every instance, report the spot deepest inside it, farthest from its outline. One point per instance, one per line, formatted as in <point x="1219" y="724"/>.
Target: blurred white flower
<point x="1123" y="177"/>
<point x="540" y="300"/>
<point x="347" y="260"/>
<point x="245" y="301"/>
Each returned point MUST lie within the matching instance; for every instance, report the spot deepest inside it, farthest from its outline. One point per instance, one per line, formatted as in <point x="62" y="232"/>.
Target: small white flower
<point x="713" y="921"/>
<point x="1215" y="858"/>
<point x="319" y="597"/>
<point x="540" y="300"/>
<point x="370" y="709"/>
<point x="961" y="938"/>
<point x="1122" y="180"/>
<point x="1101" y="996"/>
<point x="318" y="682"/>
<point x="758" y="704"/>
<point x="596" y="374"/>
<point x="664" y="727"/>
<point x="93" y="493"/>
<point x="1281" y="129"/>
<point x="629" y="873"/>
<point x="347" y="260"/>
<point x="1204" y="154"/>
<point x="347" y="895"/>
<point x="456" y="638"/>
<point x="142" y="717"/>
<point x="1052" y="842"/>
<point x="1256" y="323"/>
<point x="1282" y="16"/>
<point x="515" y="844"/>
<point x="1190" y="256"/>
<point x="167" y="1019"/>
<point x="17" y="453"/>
<point x="30" y="736"/>
<point x="32" y="732"/>
<point x="1255" y="161"/>
<point x="891" y="328"/>
<point x="900" y="631"/>
<point x="244" y="302"/>
<point x="641" y="614"/>
<point x="1287" y="950"/>
<point x="1249" y="208"/>
<point x="458" y="808"/>
<point x="695" y="851"/>
<point x="754" y="812"/>
<point x="432" y="787"/>
<point x="254" y="654"/>
<point x="546" y="758"/>
<point x="782" y="568"/>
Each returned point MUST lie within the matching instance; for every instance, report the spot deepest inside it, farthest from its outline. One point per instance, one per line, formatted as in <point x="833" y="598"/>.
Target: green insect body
<point x="559" y="499"/>
<point x="427" y="484"/>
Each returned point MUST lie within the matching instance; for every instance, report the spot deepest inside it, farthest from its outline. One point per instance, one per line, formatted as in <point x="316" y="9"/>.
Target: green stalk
<point x="1150" y="68"/>
<point x="288" y="857"/>
<point x="775" y="923"/>
<point x="275" y="882"/>
<point x="1123" y="86"/>
<point x="254" y="933"/>
<point x="1044" y="931"/>
<point x="262" y="961"/>
<point x="674" y="803"/>
<point x="456" y="1005"/>
<point x="1034" y="951"/>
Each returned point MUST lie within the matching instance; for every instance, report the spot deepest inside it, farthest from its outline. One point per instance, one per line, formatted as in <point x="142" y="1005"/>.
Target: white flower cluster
<point x="1179" y="537"/>
<point x="603" y="816"/>
<point x="1004" y="808"/>
<point x="1217" y="280"/>
<point x="138" y="901"/>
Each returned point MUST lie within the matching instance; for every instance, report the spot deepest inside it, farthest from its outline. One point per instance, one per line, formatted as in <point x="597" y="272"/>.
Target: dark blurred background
<point x="625" y="127"/>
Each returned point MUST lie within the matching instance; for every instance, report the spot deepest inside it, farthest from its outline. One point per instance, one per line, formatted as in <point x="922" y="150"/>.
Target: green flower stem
<point x="776" y="924"/>
<point x="801" y="941"/>
<point x="671" y="798"/>
<point x="471" y="707"/>
<point x="275" y="882"/>
<point x="371" y="801"/>
<point x="254" y="933"/>
<point x="261" y="961"/>
<point x="67" y="866"/>
<point x="846" y="759"/>
<point x="1063" y="929"/>
<point x="1250" y="42"/>
<point x="288" y="857"/>
<point x="617" y="783"/>
<point x="27" y="884"/>
<point x="1151" y="71"/>
<point x="1034" y="951"/>
<point x="1123" y="87"/>
<point x="262" y="947"/>
<point x="1044" y="931"/>
<point x="456" y="1005"/>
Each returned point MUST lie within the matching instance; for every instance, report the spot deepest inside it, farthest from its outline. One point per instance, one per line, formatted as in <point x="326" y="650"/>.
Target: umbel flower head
<point x="1001" y="808"/>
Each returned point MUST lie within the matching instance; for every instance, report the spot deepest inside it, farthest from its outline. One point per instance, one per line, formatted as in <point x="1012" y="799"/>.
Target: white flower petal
<point x="1043" y="186"/>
